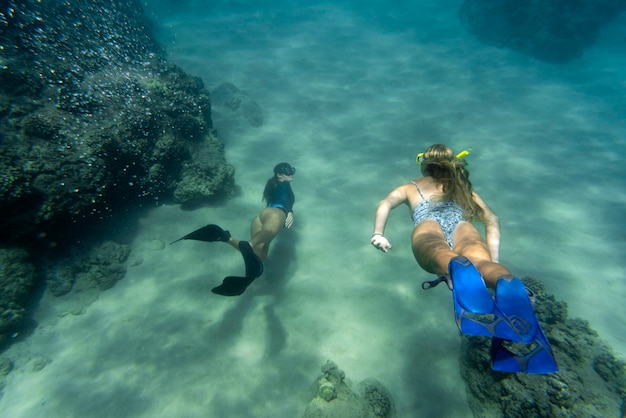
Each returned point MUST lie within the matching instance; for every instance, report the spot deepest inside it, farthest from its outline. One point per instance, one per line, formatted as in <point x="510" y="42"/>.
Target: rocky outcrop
<point x="99" y="268"/>
<point x="554" y="31"/>
<point x="93" y="119"/>
<point x="333" y="398"/>
<point x="93" y="123"/>
<point x="17" y="281"/>
<point x="591" y="381"/>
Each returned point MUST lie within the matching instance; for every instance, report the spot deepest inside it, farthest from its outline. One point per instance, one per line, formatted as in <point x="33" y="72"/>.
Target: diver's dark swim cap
<point x="284" y="168"/>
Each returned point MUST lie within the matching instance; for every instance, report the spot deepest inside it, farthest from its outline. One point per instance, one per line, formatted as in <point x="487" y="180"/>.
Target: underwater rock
<point x="203" y="179"/>
<point x="77" y="279"/>
<point x="201" y="182"/>
<point x="252" y="112"/>
<point x="39" y="127"/>
<point x="591" y="381"/>
<point x="94" y="123"/>
<point x="6" y="367"/>
<point x="554" y="31"/>
<point x="100" y="268"/>
<point x="109" y="126"/>
<point x="333" y="398"/>
<point x="17" y="280"/>
<point x="12" y="318"/>
<point x="17" y="275"/>
<point x="377" y="397"/>
<point x="231" y="97"/>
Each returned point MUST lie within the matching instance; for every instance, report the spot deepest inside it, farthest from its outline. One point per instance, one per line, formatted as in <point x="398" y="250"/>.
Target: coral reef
<point x="78" y="278"/>
<point x="94" y="120"/>
<point x="101" y="267"/>
<point x="332" y="397"/>
<point x="554" y="31"/>
<point x="94" y="123"/>
<point x="17" y="280"/>
<point x="6" y="366"/>
<point x="591" y="381"/>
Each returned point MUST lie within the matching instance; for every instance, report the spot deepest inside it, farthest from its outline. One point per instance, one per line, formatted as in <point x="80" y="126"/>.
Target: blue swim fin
<point x="470" y="296"/>
<point x="477" y="313"/>
<point x="512" y="300"/>
<point x="513" y="303"/>
<point x="538" y="360"/>
<point x="508" y="318"/>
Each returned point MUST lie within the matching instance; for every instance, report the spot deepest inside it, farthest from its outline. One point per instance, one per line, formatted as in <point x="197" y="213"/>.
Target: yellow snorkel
<point x="462" y="154"/>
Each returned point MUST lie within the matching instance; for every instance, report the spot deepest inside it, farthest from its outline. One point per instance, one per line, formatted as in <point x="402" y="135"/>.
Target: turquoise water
<point x="349" y="96"/>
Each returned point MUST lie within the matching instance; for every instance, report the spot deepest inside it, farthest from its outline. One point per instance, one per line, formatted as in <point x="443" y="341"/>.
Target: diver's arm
<point x="393" y="200"/>
<point x="492" y="228"/>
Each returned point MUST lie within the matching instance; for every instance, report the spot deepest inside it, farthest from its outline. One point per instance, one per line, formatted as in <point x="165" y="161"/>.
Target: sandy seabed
<point x="349" y="103"/>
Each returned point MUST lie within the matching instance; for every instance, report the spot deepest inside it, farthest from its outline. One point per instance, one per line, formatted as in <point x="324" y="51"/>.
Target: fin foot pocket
<point x="254" y="265"/>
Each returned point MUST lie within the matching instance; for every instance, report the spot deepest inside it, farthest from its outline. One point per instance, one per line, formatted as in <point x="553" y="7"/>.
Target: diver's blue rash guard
<point x="281" y="197"/>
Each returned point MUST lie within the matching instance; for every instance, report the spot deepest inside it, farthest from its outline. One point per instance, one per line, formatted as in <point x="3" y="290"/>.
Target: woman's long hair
<point x="270" y="185"/>
<point x="442" y="165"/>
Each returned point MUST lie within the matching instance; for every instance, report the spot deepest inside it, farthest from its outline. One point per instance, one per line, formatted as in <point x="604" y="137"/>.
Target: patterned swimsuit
<point x="446" y="214"/>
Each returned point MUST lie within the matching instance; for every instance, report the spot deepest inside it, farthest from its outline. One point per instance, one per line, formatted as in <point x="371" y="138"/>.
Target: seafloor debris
<point x="591" y="381"/>
<point x="333" y="398"/>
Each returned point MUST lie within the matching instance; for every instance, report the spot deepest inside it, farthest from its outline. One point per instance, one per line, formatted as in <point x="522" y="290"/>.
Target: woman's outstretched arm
<point x="390" y="202"/>
<point x="492" y="228"/>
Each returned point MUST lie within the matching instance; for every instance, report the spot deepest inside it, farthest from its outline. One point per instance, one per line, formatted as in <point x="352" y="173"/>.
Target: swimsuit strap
<point x="418" y="190"/>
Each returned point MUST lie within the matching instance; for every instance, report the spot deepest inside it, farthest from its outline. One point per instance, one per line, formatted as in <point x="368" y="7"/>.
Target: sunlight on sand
<point x="349" y="106"/>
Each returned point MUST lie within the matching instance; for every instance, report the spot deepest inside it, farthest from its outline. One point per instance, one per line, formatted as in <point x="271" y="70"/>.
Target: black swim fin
<point x="233" y="286"/>
<point x="254" y="265"/>
<point x="209" y="233"/>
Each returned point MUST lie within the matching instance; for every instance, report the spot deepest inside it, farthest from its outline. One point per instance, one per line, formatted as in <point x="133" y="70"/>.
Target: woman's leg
<point x="432" y="252"/>
<point x="469" y="243"/>
<point x="430" y="248"/>
<point x="262" y="231"/>
<point x="264" y="228"/>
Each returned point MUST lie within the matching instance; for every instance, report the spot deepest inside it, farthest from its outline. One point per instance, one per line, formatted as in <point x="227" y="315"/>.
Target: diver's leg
<point x="255" y="227"/>
<point x="234" y="243"/>
<point x="430" y="248"/>
<point x="469" y="243"/>
<point x="270" y="222"/>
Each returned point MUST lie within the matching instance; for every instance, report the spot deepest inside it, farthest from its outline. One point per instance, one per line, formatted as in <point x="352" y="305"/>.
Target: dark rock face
<point x="17" y="280"/>
<point x="554" y="31"/>
<point x="93" y="122"/>
<point x="591" y="381"/>
<point x="100" y="268"/>
<point x="92" y="119"/>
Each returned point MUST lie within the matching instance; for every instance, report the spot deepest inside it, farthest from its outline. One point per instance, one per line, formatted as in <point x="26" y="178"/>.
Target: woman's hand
<point x="289" y="220"/>
<point x="379" y="241"/>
